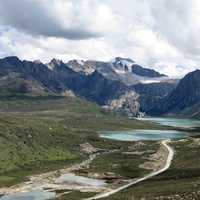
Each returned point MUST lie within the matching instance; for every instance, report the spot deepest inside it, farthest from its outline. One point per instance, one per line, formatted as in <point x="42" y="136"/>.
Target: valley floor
<point x="157" y="160"/>
<point x="41" y="134"/>
<point x="43" y="138"/>
<point x="167" y="159"/>
<point x="180" y="182"/>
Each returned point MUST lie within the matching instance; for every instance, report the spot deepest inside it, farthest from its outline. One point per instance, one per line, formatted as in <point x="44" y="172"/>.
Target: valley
<point x="75" y="140"/>
<point x="43" y="134"/>
<point x="82" y="130"/>
<point x="99" y="100"/>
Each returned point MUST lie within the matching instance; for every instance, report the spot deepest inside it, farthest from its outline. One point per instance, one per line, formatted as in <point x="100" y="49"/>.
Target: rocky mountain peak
<point x="12" y="60"/>
<point x="37" y="62"/>
<point x="120" y="59"/>
<point x="81" y="66"/>
<point x="146" y="72"/>
<point x="53" y="63"/>
<point x="76" y="62"/>
<point x="122" y="65"/>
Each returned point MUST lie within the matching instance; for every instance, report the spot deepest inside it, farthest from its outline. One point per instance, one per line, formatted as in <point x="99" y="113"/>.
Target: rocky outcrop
<point x="17" y="86"/>
<point x="141" y="71"/>
<point x="68" y="93"/>
<point x="151" y="94"/>
<point x="81" y="66"/>
<point x="126" y="104"/>
<point x="123" y="64"/>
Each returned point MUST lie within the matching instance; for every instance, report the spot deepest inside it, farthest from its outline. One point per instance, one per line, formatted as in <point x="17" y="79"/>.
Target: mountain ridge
<point x="111" y="84"/>
<point x="60" y="79"/>
<point x="183" y="98"/>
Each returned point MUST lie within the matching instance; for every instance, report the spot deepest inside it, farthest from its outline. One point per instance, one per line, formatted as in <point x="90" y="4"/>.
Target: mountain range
<point x="121" y="85"/>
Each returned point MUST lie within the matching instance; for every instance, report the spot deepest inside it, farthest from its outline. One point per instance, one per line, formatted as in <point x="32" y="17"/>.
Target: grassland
<point x="122" y="163"/>
<point x="39" y="134"/>
<point x="180" y="182"/>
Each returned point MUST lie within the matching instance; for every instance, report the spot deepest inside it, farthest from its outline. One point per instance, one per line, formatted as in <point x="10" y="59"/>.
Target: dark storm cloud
<point x="38" y="18"/>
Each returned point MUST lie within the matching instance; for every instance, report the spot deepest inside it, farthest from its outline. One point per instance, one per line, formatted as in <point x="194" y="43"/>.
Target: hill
<point x="43" y="133"/>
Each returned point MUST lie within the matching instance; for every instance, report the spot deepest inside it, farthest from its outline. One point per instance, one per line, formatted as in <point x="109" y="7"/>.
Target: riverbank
<point x="39" y="135"/>
<point x="167" y="164"/>
<point x="47" y="181"/>
<point x="180" y="182"/>
<point x="50" y="182"/>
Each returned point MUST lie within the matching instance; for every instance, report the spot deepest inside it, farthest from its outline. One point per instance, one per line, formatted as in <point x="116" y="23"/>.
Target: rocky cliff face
<point x="151" y="94"/>
<point x="183" y="98"/>
<point x="126" y="104"/>
<point x="141" y="71"/>
<point x="81" y="66"/>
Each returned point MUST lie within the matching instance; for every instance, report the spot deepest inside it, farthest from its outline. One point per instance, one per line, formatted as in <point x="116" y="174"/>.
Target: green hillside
<point x="43" y="133"/>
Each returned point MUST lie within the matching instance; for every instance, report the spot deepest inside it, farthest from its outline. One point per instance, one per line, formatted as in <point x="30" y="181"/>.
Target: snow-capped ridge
<point x="38" y="61"/>
<point x="124" y="61"/>
<point x="122" y="65"/>
<point x="81" y="66"/>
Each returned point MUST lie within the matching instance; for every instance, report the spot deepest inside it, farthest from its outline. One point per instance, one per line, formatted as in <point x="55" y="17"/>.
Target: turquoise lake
<point x="137" y="135"/>
<point x="33" y="195"/>
<point x="174" y="122"/>
<point x="154" y="135"/>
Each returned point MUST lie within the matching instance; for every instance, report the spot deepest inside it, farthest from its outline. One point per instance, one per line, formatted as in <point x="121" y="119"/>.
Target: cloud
<point x="58" y="18"/>
<point x="179" y="24"/>
<point x="160" y="34"/>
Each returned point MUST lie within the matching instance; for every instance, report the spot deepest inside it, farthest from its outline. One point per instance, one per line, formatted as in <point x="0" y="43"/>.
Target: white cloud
<point x="162" y="34"/>
<point x="179" y="23"/>
<point x="58" y="18"/>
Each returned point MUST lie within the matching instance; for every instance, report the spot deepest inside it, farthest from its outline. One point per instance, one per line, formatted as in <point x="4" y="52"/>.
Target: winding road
<point x="152" y="174"/>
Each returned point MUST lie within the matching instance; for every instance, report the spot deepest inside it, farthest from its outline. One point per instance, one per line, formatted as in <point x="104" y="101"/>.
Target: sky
<point x="159" y="34"/>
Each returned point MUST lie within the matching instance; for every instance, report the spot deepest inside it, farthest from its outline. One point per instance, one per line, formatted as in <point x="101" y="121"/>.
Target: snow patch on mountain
<point x="119" y="71"/>
<point x="80" y="62"/>
<point x="155" y="80"/>
<point x="122" y="65"/>
<point x="81" y="66"/>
